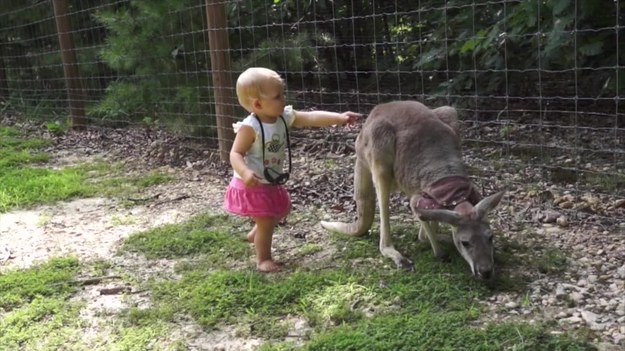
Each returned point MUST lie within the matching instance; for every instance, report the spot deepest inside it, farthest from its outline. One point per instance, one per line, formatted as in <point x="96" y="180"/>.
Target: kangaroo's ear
<point x="445" y="216"/>
<point x="488" y="204"/>
<point x="449" y="115"/>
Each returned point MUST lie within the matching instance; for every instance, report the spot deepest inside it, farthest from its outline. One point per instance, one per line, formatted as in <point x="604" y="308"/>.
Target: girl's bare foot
<point x="268" y="266"/>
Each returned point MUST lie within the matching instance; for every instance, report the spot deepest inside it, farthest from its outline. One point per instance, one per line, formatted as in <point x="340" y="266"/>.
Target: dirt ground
<point x="92" y="229"/>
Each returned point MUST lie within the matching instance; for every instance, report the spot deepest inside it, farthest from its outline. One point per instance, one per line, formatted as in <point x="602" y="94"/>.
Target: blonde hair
<point x="251" y="82"/>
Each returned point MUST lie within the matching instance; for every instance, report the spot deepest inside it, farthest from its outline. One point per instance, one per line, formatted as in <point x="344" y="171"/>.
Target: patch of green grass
<point x="310" y="248"/>
<point x="351" y="310"/>
<point x="52" y="279"/>
<point x="325" y="298"/>
<point x="551" y="261"/>
<point x="438" y="331"/>
<point x="228" y="295"/>
<point x="257" y="324"/>
<point x="356" y="247"/>
<point x="205" y="234"/>
<point x="364" y="306"/>
<point x="109" y="179"/>
<point x="337" y="304"/>
<point x="44" y="323"/>
<point x="149" y="336"/>
<point x="37" y="314"/>
<point x="25" y="187"/>
<point x="16" y="150"/>
<point x="54" y="323"/>
<point x="24" y="182"/>
<point x="603" y="181"/>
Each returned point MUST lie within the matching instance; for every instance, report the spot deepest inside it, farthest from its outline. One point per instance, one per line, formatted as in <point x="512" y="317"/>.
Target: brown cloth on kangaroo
<point x="448" y="192"/>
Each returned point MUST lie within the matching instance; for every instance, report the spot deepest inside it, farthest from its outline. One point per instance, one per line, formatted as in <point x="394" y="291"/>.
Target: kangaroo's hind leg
<point x="383" y="180"/>
<point x="364" y="194"/>
<point x="381" y="157"/>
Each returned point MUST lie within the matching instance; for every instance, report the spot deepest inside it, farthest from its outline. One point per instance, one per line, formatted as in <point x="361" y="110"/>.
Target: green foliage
<point x="530" y="34"/>
<point x="291" y="54"/>
<point x="148" y="45"/>
<point x="28" y="41"/>
<point x="150" y="57"/>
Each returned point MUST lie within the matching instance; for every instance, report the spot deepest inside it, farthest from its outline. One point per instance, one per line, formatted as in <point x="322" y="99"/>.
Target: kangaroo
<point x="406" y="145"/>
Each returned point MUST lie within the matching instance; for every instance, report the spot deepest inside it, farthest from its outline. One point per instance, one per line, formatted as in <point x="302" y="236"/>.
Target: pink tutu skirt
<point x="262" y="200"/>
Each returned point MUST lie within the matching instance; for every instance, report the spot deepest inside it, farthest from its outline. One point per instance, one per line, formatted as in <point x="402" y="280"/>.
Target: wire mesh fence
<point x="536" y="83"/>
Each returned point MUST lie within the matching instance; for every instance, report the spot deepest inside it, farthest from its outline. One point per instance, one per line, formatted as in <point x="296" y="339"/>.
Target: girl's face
<point x="271" y="104"/>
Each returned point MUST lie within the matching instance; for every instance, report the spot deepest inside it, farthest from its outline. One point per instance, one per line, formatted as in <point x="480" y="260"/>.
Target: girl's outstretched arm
<point x="323" y="118"/>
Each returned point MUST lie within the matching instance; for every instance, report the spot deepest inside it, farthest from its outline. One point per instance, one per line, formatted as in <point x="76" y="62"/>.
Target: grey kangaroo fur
<point x="408" y="146"/>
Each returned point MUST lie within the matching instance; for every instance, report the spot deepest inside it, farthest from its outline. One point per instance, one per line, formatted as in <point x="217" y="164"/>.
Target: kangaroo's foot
<point x="401" y="261"/>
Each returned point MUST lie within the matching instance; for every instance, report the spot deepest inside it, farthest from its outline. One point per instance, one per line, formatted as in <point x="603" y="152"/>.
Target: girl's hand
<point x="350" y="117"/>
<point x="250" y="178"/>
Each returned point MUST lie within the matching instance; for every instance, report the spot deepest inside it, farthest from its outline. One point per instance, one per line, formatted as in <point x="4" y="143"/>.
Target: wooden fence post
<point x="4" y="83"/>
<point x="75" y="91"/>
<point x="219" y="47"/>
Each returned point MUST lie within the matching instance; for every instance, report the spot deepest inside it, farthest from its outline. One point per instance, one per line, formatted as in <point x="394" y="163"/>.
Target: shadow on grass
<point x="362" y="306"/>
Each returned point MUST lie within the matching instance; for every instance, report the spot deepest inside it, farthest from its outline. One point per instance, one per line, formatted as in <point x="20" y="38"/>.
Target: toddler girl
<point x="258" y="152"/>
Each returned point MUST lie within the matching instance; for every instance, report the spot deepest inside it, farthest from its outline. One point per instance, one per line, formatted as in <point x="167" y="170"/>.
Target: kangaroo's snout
<point x="484" y="273"/>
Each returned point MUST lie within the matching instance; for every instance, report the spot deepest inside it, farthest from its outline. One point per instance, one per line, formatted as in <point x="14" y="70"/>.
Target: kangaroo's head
<point x="471" y="232"/>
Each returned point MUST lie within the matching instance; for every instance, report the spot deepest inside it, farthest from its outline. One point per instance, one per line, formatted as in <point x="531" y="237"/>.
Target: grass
<point x="45" y="323"/>
<point x="36" y="309"/>
<point x="353" y="307"/>
<point x="49" y="280"/>
<point x="204" y="234"/>
<point x="25" y="182"/>
<point x="361" y="303"/>
<point x="37" y="314"/>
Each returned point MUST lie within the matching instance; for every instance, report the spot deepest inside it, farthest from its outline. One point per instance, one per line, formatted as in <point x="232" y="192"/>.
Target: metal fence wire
<point x="537" y="83"/>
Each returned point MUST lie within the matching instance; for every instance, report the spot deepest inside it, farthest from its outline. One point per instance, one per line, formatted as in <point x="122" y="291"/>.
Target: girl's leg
<point x="252" y="234"/>
<point x="262" y="243"/>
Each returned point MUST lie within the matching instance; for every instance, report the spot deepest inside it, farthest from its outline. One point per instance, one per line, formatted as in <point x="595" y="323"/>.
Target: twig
<point x="90" y="281"/>
<point x="114" y="291"/>
<point x="144" y="200"/>
<point x="181" y="197"/>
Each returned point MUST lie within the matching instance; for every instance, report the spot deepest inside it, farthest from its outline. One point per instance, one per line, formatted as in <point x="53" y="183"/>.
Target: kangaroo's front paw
<point x="406" y="264"/>
<point x="423" y="235"/>
<point x="443" y="257"/>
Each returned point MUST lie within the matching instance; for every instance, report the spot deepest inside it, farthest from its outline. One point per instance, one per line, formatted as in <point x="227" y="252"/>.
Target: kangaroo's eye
<point x="490" y="239"/>
<point x="465" y="243"/>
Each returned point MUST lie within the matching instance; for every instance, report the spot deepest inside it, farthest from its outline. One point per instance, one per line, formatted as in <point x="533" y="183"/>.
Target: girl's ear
<point x="257" y="104"/>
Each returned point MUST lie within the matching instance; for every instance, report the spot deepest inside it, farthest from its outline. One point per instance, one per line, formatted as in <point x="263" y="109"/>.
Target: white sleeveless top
<point x="275" y="144"/>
